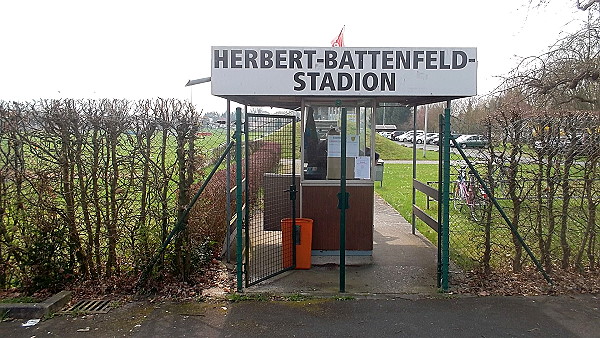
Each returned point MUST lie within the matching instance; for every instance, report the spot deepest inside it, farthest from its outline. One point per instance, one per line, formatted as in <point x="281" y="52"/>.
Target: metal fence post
<point x="446" y="200"/>
<point x="228" y="186"/>
<point x="238" y="195"/>
<point x="413" y="219"/>
<point x="440" y="204"/>
<point x="343" y="199"/>
<point x="246" y="152"/>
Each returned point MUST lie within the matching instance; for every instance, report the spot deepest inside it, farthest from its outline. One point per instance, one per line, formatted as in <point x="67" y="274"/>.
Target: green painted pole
<point x="446" y="200"/>
<point x="413" y="219"/>
<point x="228" y="186"/>
<point x="246" y="151"/>
<point x="238" y="195"/>
<point x="343" y="199"/>
<point x="440" y="204"/>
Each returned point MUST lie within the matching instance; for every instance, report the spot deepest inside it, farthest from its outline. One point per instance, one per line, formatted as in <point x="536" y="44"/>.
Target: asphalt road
<point x="432" y="147"/>
<point x="443" y="316"/>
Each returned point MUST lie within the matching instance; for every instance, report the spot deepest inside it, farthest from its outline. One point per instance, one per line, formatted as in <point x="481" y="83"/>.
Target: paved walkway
<point x="402" y="263"/>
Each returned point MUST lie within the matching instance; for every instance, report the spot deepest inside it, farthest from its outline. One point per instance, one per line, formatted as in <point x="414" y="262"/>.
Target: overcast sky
<point x="147" y="49"/>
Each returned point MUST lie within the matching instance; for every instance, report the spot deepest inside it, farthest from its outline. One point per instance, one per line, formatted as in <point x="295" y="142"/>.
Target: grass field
<point x="390" y="150"/>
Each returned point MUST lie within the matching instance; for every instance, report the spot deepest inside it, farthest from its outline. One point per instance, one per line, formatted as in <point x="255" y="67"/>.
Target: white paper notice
<point x="362" y="167"/>
<point x="334" y="146"/>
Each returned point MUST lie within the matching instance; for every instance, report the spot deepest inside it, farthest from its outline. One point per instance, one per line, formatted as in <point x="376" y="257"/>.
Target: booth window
<point x="322" y="142"/>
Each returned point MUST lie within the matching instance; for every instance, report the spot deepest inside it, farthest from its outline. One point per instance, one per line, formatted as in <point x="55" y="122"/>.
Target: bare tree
<point x="582" y="5"/>
<point x="567" y="76"/>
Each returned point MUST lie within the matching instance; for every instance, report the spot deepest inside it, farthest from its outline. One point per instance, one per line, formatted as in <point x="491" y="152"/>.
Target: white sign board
<point x="334" y="145"/>
<point x="362" y="167"/>
<point x="342" y="71"/>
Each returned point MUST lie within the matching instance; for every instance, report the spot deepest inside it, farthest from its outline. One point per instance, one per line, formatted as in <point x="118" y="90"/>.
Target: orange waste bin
<point x="303" y="248"/>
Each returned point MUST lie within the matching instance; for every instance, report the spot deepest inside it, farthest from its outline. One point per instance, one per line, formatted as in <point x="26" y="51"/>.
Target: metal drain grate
<point x="90" y="306"/>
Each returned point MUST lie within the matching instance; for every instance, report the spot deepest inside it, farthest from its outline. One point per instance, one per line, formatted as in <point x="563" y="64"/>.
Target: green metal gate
<point x="270" y="196"/>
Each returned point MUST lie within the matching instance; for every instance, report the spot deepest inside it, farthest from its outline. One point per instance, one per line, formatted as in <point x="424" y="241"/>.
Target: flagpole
<point x="339" y="40"/>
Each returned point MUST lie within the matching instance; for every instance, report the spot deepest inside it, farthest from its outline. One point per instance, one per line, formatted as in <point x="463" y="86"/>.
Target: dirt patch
<point x="529" y="282"/>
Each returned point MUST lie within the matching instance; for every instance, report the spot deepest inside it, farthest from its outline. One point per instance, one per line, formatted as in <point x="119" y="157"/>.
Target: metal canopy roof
<point x="295" y="101"/>
<point x="279" y="76"/>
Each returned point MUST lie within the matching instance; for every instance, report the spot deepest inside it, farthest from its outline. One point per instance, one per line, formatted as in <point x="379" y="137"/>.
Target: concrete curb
<point x="36" y="310"/>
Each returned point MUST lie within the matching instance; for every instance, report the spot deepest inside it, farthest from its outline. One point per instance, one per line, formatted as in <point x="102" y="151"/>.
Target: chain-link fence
<point x="91" y="188"/>
<point x="543" y="170"/>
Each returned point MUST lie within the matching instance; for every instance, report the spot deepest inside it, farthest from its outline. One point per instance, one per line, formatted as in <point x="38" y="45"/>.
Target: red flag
<point x="339" y="41"/>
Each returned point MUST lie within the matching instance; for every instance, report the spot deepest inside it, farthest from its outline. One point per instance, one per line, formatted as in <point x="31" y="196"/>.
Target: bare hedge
<point x="91" y="188"/>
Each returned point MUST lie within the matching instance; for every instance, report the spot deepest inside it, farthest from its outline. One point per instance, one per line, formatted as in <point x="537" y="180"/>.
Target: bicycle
<point x="468" y="192"/>
<point x="498" y="180"/>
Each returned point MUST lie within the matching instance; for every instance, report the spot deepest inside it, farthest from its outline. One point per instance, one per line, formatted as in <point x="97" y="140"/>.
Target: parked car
<point x="420" y="133"/>
<point x="433" y="139"/>
<point x="436" y="141"/>
<point x="403" y="137"/>
<point x="562" y="144"/>
<point x="396" y="134"/>
<point x="472" y="141"/>
<point x="386" y="134"/>
<point x="408" y="136"/>
<point x="421" y="138"/>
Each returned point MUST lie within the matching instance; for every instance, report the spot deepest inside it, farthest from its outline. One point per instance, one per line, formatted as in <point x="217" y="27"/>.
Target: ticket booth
<point x="321" y="172"/>
<point x="320" y="82"/>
